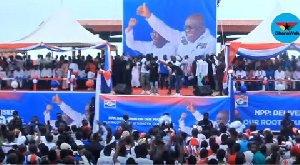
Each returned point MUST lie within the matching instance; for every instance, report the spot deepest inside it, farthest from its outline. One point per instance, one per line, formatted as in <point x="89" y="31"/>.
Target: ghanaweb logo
<point x="285" y="28"/>
<point x="110" y="103"/>
<point x="241" y="101"/>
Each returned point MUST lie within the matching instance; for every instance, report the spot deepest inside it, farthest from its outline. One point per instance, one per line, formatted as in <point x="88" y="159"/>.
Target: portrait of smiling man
<point x="195" y="40"/>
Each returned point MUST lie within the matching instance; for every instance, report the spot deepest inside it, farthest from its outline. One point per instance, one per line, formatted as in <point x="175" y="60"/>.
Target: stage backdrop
<point x="267" y="109"/>
<point x="172" y="12"/>
<point x="145" y="111"/>
<point x="30" y="104"/>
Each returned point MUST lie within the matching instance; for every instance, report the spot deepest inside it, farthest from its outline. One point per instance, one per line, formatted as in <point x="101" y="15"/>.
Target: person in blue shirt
<point x="270" y="72"/>
<point x="164" y="73"/>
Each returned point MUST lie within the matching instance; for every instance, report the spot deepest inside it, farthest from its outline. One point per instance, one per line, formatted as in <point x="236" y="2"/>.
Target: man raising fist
<point x="159" y="46"/>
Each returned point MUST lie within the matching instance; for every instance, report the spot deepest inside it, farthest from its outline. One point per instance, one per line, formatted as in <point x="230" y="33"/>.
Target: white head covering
<point x="248" y="156"/>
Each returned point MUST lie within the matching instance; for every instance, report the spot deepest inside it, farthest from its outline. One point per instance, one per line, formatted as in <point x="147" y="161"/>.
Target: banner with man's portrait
<point x="169" y="28"/>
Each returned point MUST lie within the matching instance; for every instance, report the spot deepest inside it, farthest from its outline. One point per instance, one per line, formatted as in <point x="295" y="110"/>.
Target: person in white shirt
<point x="74" y="66"/>
<point x="259" y="75"/>
<point x="158" y="46"/>
<point x="35" y="71"/>
<point x="201" y="71"/>
<point x="49" y="142"/>
<point x="57" y="73"/>
<point x="237" y="125"/>
<point x="279" y="75"/>
<point x="195" y="40"/>
<point x="145" y="74"/>
<point x="19" y="74"/>
<point x="46" y="72"/>
<point x="240" y="74"/>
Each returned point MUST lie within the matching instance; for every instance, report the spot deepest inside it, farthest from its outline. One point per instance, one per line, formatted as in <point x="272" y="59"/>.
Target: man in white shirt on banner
<point x="70" y="116"/>
<point x="195" y="40"/>
<point x="222" y="117"/>
<point x="158" y="46"/>
<point x="201" y="71"/>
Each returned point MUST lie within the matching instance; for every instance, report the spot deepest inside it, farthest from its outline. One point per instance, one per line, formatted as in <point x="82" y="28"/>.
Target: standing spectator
<point x="154" y="76"/>
<point x="288" y="75"/>
<point x="202" y="71"/>
<point x="19" y="75"/>
<point x="82" y="75"/>
<point x="46" y="73"/>
<point x="194" y="68"/>
<point x="145" y="74"/>
<point x="186" y="68"/>
<point x="178" y="75"/>
<point x="128" y="75"/>
<point x="73" y="66"/>
<point x="206" y="124"/>
<point x="135" y="81"/>
<point x="65" y="72"/>
<point x="287" y="125"/>
<point x="219" y="75"/>
<point x="211" y="69"/>
<point x="125" y="124"/>
<point x="259" y="75"/>
<point x="270" y="72"/>
<point x="296" y="76"/>
<point x="16" y="122"/>
<point x="117" y="70"/>
<point x="239" y="74"/>
<point x="279" y="75"/>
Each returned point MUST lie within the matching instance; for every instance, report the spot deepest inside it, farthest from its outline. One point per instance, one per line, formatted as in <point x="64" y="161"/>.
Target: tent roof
<point x="262" y="33"/>
<point x="63" y="31"/>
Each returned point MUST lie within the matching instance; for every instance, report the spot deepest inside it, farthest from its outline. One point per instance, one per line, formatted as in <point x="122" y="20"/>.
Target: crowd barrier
<point x="266" y="109"/>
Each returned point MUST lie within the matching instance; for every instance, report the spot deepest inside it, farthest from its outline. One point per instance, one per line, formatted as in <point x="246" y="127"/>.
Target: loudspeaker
<point x="203" y="91"/>
<point x="121" y="89"/>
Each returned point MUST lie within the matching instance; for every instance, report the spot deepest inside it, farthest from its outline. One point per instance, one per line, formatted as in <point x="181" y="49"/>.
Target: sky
<point x="20" y="17"/>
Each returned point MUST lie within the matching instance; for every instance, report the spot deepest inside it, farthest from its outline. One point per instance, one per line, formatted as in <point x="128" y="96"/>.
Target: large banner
<point x="72" y="106"/>
<point x="266" y="109"/>
<point x="144" y="111"/>
<point x="169" y="27"/>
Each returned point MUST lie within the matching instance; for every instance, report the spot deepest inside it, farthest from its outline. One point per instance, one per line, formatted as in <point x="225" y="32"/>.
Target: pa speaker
<point x="203" y="91"/>
<point x="121" y="90"/>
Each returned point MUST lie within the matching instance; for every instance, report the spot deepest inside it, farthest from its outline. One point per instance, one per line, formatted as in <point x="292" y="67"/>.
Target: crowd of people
<point x="204" y="143"/>
<point x="283" y="69"/>
<point x="152" y="74"/>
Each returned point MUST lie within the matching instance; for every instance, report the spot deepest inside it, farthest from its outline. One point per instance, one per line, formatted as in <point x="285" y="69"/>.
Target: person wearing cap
<point x="195" y="40"/>
<point x="159" y="46"/>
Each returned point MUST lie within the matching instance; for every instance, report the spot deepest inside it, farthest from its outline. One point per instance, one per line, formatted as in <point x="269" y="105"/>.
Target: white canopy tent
<point x="63" y="31"/>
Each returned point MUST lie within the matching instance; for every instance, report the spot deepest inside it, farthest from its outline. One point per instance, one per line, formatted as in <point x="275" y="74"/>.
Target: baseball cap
<point x="65" y="146"/>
